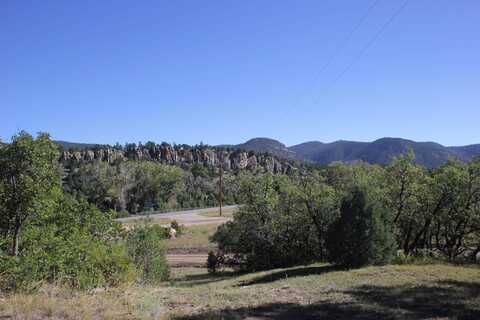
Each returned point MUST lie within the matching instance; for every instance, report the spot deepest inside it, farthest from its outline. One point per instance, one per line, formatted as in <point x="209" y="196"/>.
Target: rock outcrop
<point x="230" y="160"/>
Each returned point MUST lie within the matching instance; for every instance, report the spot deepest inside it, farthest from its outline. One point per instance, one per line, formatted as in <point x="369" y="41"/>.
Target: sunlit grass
<point x="226" y="212"/>
<point x="401" y="290"/>
<point x="194" y="237"/>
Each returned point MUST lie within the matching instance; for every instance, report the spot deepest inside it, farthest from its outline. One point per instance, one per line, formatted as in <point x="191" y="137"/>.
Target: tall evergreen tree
<point x="363" y="234"/>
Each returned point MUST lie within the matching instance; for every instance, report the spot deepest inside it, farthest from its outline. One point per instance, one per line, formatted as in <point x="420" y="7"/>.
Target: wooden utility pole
<point x="220" y="185"/>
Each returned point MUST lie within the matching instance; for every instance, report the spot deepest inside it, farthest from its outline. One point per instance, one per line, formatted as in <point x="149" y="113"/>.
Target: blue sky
<point x="226" y="71"/>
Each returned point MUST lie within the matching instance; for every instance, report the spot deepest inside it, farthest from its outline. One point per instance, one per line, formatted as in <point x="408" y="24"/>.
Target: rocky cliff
<point x="231" y="160"/>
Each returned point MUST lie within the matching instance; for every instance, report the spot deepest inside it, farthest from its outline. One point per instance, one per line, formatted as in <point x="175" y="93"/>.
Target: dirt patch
<point x="191" y="250"/>
<point x="187" y="260"/>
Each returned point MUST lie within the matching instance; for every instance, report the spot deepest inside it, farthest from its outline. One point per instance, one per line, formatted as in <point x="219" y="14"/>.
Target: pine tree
<point x="363" y="235"/>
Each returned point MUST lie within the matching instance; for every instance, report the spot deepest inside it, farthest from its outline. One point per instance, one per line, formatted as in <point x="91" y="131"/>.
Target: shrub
<point x="363" y="234"/>
<point x="145" y="246"/>
<point x="212" y="262"/>
<point x="269" y="230"/>
<point x="175" y="225"/>
<point x="77" y="245"/>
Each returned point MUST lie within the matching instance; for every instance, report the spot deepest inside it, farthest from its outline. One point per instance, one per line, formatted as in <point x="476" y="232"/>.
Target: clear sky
<point x="226" y="71"/>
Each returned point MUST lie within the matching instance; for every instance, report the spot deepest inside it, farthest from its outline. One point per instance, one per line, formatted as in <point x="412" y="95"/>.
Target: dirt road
<point x="186" y="218"/>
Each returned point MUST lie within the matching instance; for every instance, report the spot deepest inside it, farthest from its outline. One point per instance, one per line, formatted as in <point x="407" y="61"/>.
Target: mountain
<point x="267" y="145"/>
<point x="465" y="153"/>
<point x="324" y="153"/>
<point x="65" y="145"/>
<point x="429" y="154"/>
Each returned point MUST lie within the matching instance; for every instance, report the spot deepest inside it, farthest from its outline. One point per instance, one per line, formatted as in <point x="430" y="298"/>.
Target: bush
<point x="145" y="246"/>
<point x="212" y="262"/>
<point x="269" y="230"/>
<point x="78" y="246"/>
<point x="175" y="225"/>
<point x="363" y="234"/>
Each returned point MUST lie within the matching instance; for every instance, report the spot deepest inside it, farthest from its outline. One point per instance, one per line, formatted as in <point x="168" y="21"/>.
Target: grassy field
<point x="227" y="212"/>
<point x="318" y="291"/>
<point x="194" y="240"/>
<point x="160" y="221"/>
<point x="308" y="292"/>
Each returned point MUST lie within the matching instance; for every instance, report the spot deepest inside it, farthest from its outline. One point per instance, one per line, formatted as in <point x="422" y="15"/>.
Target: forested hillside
<point x="62" y="232"/>
<point x="136" y="178"/>
<point x="381" y="151"/>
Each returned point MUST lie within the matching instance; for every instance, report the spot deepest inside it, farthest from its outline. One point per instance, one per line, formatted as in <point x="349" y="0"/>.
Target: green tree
<point x="156" y="184"/>
<point x="271" y="228"/>
<point x="363" y="234"/>
<point x="76" y="244"/>
<point x="320" y="203"/>
<point x="145" y="246"/>
<point x="30" y="182"/>
<point x="405" y="187"/>
<point x="458" y="220"/>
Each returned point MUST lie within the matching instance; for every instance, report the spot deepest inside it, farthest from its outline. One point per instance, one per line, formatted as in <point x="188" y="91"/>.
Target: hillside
<point x="230" y="159"/>
<point x="65" y="145"/>
<point x="267" y="145"/>
<point x="315" y="291"/>
<point x="429" y="154"/>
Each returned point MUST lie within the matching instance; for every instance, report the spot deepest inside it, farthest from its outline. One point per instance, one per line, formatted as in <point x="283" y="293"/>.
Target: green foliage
<point x="145" y="246"/>
<point x="212" y="262"/>
<point x="101" y="184"/>
<point x="76" y="245"/>
<point x="127" y="186"/>
<point x="455" y="225"/>
<point x="406" y="190"/>
<point x="140" y="186"/>
<point x="177" y="227"/>
<point x="156" y="183"/>
<point x="363" y="234"/>
<point x="354" y="214"/>
<point x="29" y="183"/>
<point x="270" y="229"/>
<point x="47" y="236"/>
<point x="319" y="202"/>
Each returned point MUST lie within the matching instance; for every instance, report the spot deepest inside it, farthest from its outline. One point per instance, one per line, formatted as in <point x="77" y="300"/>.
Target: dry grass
<point x="195" y="239"/>
<point x="154" y="220"/>
<point x="59" y="303"/>
<point x="432" y="291"/>
<point x="320" y="291"/>
<point x="315" y="291"/>
<point x="226" y="212"/>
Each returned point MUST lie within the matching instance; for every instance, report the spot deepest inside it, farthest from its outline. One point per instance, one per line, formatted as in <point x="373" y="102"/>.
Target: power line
<point x="369" y="43"/>
<point x="343" y="43"/>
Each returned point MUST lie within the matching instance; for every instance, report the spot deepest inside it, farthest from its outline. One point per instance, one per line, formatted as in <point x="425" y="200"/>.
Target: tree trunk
<point x="16" y="238"/>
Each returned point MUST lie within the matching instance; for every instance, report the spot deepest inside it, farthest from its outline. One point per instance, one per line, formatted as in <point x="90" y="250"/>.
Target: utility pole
<point x="220" y="184"/>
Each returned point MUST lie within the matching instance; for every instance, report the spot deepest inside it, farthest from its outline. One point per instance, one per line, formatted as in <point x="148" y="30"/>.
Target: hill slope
<point x="65" y="145"/>
<point x="267" y="145"/>
<point x="381" y="151"/>
<point x="429" y="154"/>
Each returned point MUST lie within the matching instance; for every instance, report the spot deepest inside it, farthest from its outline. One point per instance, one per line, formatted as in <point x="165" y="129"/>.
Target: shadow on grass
<point x="289" y="311"/>
<point x="452" y="299"/>
<point x="290" y="273"/>
<point x="445" y="299"/>
<point x="203" y="278"/>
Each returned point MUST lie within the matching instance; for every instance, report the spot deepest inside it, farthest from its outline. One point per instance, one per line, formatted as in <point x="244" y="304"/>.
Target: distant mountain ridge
<point x="429" y="154"/>
<point x="267" y="145"/>
<point x="381" y="151"/>
<point x="75" y="145"/>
